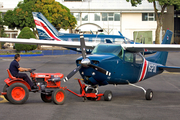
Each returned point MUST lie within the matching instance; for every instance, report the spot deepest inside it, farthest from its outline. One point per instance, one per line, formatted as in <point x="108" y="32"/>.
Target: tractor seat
<point x="10" y="76"/>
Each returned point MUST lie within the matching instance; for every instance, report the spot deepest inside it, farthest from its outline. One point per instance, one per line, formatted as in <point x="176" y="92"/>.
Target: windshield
<point x="107" y="48"/>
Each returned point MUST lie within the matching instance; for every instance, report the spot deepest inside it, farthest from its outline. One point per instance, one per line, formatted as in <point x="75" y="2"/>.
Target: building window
<point x="84" y="16"/>
<point x="110" y="16"/>
<point x="104" y="16"/>
<point x="76" y="15"/>
<point x="148" y="17"/>
<point x="116" y="16"/>
<point x="97" y="17"/>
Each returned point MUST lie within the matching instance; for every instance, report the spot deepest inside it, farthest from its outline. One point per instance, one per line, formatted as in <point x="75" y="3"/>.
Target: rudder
<point x="45" y="29"/>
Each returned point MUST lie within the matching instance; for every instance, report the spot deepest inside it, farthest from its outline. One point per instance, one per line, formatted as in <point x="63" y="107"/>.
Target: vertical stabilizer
<point x="45" y="29"/>
<point x="161" y="57"/>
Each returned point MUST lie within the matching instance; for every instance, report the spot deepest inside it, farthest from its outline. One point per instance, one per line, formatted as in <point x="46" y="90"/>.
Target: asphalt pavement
<point x="128" y="102"/>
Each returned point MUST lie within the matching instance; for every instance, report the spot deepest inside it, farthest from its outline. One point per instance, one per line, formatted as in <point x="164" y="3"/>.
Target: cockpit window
<point x="128" y="57"/>
<point x="107" y="48"/>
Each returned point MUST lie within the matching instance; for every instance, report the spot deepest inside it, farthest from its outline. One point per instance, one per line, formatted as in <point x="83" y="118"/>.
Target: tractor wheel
<point x="149" y="94"/>
<point x="46" y="98"/>
<point x="17" y="93"/>
<point x="5" y="90"/>
<point x="108" y="95"/>
<point x="59" y="96"/>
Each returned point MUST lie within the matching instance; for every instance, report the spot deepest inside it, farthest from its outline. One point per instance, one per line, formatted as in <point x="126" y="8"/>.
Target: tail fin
<point x="161" y="57"/>
<point x="45" y="29"/>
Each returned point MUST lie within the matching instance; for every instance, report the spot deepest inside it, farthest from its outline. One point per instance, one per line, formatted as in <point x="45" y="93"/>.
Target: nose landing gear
<point x="91" y="93"/>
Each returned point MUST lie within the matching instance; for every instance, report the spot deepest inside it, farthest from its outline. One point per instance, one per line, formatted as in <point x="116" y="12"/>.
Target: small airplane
<point x="47" y="31"/>
<point x="122" y="64"/>
<point x="115" y="63"/>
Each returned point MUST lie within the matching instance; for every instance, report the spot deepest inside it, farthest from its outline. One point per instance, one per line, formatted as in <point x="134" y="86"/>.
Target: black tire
<point x="90" y="90"/>
<point x="149" y="94"/>
<point x="58" y="96"/>
<point x="5" y="90"/>
<point x="46" y="98"/>
<point x="17" y="93"/>
<point x="108" y="95"/>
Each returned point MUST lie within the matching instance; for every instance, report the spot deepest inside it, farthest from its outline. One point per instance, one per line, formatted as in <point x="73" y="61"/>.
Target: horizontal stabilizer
<point x="169" y="68"/>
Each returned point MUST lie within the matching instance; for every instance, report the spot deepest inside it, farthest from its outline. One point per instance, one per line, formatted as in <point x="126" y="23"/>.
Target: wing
<point x="70" y="44"/>
<point x="155" y="47"/>
<point x="169" y="68"/>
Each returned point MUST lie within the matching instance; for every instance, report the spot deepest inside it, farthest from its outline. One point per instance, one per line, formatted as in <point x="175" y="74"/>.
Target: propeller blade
<point x="72" y="73"/>
<point x="101" y="70"/>
<point x="83" y="47"/>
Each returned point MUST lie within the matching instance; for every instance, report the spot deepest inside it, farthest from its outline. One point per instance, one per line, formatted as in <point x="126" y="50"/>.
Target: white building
<point x="110" y="15"/>
<point x="113" y="16"/>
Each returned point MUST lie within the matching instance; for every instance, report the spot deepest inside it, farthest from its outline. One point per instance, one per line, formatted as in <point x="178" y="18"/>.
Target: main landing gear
<point x="148" y="93"/>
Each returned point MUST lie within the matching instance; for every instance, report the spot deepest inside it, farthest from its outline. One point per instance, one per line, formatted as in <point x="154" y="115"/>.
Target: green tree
<point x="56" y="13"/>
<point x="159" y="18"/>
<point x="27" y="34"/>
<point x="2" y="34"/>
<point x="8" y="19"/>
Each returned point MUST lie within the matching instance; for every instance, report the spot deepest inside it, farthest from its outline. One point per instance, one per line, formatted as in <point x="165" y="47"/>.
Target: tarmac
<point x="128" y="102"/>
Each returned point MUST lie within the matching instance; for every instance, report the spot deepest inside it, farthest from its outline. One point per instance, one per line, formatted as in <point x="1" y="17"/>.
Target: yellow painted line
<point x="4" y="99"/>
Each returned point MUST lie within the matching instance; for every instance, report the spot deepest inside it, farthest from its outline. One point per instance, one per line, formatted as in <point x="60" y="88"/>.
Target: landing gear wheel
<point x="17" y="93"/>
<point x="59" y="96"/>
<point x="46" y="98"/>
<point x="5" y="90"/>
<point x="149" y="94"/>
<point x="108" y="95"/>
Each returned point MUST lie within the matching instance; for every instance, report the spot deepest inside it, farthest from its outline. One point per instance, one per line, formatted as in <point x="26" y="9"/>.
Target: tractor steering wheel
<point x="31" y="70"/>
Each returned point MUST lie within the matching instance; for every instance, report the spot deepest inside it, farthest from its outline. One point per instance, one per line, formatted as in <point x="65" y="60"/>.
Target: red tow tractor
<point x="16" y="90"/>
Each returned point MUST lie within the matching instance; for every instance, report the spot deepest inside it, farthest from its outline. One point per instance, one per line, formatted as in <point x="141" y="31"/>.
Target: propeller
<point x="85" y="62"/>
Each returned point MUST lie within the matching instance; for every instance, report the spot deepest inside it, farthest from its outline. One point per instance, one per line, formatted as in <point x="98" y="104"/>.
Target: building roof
<point x="92" y="6"/>
<point x="107" y="6"/>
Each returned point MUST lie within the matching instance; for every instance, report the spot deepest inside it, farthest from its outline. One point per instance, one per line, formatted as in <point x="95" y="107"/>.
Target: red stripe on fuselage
<point x="144" y="70"/>
<point x="38" y="23"/>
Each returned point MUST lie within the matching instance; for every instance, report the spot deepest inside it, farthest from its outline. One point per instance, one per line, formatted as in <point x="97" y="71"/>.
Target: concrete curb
<point x="23" y="55"/>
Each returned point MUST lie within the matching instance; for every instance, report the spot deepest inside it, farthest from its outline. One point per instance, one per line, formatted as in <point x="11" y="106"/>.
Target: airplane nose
<point x="85" y="62"/>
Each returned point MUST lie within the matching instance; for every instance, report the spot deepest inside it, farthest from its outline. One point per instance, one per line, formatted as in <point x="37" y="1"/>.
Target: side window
<point x="128" y="57"/>
<point x="97" y="40"/>
<point x="75" y="39"/>
<point x="108" y="40"/>
<point x="138" y="59"/>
